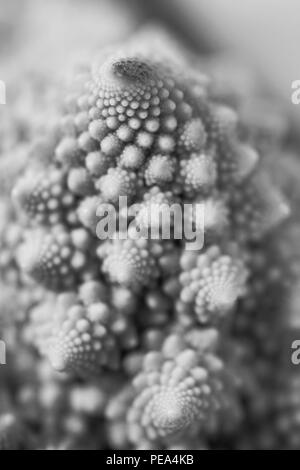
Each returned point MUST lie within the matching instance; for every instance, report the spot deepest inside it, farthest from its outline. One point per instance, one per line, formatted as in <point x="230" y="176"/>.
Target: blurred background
<point x="263" y="33"/>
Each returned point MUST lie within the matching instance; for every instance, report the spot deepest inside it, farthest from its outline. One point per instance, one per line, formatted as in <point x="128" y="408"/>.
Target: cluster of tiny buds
<point x="142" y="316"/>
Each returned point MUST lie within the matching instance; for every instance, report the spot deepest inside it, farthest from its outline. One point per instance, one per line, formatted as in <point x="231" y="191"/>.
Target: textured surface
<point x="145" y="341"/>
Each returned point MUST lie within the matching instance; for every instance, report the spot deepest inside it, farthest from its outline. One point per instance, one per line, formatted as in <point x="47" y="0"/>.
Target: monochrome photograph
<point x="149" y="227"/>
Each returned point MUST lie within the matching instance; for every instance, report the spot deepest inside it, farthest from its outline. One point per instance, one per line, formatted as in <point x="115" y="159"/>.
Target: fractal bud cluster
<point x="143" y="343"/>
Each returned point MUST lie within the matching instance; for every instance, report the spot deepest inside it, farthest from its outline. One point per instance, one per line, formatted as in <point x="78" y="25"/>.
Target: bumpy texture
<point x="159" y="346"/>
